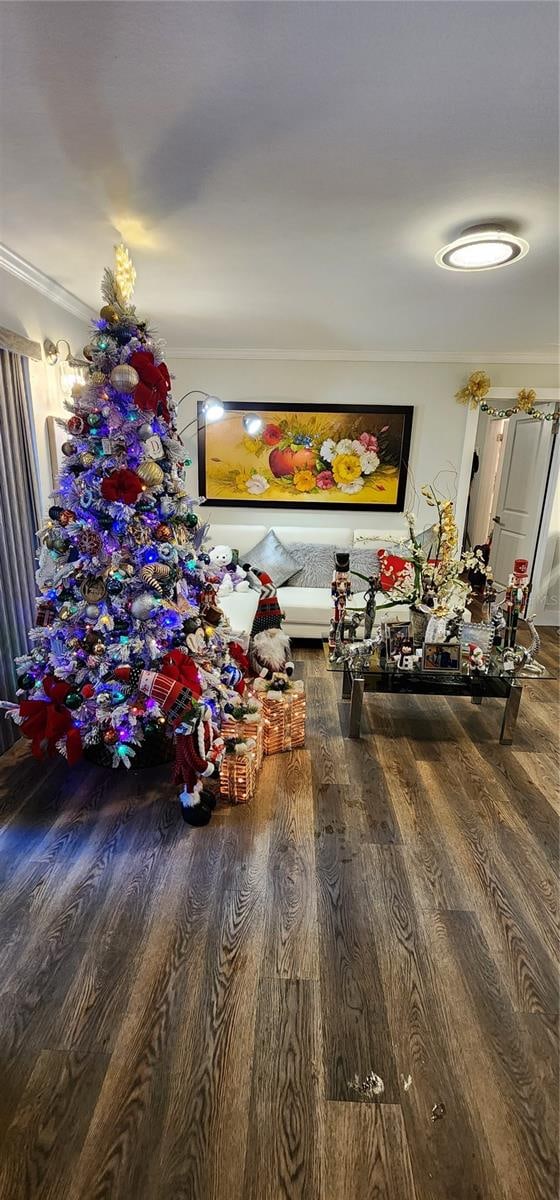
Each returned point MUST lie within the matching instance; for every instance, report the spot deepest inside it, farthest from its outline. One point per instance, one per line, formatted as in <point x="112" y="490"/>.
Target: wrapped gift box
<point x="238" y="776"/>
<point x="284" y="722"/>
<point x="247" y="729"/>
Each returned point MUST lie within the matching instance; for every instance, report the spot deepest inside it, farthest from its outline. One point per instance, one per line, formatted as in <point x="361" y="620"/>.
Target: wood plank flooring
<point x="198" y="1014"/>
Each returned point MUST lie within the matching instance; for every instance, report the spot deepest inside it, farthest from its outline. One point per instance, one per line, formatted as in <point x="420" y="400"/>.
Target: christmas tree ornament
<point x="87" y="691"/>
<point x="90" y="542"/>
<point x="163" y="533"/>
<point x="110" y="737"/>
<point x="93" y="589"/>
<point x="75" y="425"/>
<point x="92" y="612"/>
<point x="67" y="516"/>
<point x="144" y="606"/>
<point x="73" y="700"/>
<point x="98" y="377"/>
<point x="191" y="520"/>
<point x="94" y="419"/>
<point x="88" y="352"/>
<point x="124" y="378"/>
<point x="154" y="448"/>
<point x="69" y="448"/>
<point x="150" y="473"/>
<point x="55" y="512"/>
<point x="145" y="431"/>
<point x="109" y="313"/>
<point x="123" y="485"/>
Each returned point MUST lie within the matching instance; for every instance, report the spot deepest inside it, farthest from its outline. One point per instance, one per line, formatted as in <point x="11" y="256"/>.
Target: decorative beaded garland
<point x="477" y="387"/>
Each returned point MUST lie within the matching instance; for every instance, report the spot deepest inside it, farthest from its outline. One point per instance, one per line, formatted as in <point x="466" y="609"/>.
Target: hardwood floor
<point x="194" y="1014"/>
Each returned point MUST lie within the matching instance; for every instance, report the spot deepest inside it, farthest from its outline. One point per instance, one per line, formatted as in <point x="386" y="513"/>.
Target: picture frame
<point x="324" y="456"/>
<point x="475" y="633"/>
<point x="396" y="632"/>
<point x="443" y="657"/>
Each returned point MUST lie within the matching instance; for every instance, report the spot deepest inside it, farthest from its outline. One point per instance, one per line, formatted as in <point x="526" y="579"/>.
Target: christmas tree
<point x="129" y="644"/>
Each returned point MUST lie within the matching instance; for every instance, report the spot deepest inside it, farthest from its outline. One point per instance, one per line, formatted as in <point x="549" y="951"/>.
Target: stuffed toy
<point x="269" y="655"/>
<point x="228" y="575"/>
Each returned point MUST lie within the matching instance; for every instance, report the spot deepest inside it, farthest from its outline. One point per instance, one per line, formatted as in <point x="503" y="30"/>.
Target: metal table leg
<point x="356" y="701"/>
<point x="510" y="714"/>
<point x="346" y="682"/>
<point x="476" y="699"/>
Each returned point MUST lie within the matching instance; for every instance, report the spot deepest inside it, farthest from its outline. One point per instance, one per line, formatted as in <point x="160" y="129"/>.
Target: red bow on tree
<point x="46" y="721"/>
<point x="179" y="666"/>
<point x="150" y="395"/>
<point x="123" y="485"/>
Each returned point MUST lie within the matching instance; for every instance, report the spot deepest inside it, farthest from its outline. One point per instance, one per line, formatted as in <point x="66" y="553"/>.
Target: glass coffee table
<point x="357" y="680"/>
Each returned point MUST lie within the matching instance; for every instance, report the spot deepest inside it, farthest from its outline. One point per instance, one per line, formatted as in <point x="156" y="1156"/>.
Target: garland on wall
<point x="477" y="387"/>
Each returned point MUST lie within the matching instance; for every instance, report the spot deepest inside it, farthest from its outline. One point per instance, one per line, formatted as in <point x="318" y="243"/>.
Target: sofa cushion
<point x="272" y="556"/>
<point x="316" y="563"/>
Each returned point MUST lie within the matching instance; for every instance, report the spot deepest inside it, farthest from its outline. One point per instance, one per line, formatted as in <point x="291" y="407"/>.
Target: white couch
<point x="308" y="609"/>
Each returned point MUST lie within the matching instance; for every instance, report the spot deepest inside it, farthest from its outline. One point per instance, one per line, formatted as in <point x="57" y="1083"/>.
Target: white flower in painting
<point x="351" y="488"/>
<point x="327" y="450"/>
<point x="369" y="462"/>
<point x="344" y="446"/>
<point x="357" y="447"/>
<point x="256" y="484"/>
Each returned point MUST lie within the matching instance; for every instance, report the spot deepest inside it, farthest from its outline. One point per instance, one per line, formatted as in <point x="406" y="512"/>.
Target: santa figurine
<point x="270" y="657"/>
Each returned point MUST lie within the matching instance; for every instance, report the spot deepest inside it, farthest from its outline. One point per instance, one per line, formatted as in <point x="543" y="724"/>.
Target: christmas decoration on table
<point x="341" y="590"/>
<point x="122" y="578"/>
<point x="517" y="595"/>
<point x="477" y="387"/>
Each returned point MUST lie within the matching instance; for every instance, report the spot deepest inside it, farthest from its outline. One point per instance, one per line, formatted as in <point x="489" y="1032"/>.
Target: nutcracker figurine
<point x="516" y="598"/>
<point x="341" y="590"/>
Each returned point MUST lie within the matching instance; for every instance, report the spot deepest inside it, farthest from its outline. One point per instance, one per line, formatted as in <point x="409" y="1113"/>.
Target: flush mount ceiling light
<point x="482" y="248"/>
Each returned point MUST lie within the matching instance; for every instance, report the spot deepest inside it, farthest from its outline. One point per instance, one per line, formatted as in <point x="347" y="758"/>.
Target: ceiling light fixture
<point x="482" y="248"/>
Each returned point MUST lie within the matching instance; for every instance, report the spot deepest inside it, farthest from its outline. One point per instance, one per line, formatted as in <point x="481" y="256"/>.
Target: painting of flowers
<point x="334" y="456"/>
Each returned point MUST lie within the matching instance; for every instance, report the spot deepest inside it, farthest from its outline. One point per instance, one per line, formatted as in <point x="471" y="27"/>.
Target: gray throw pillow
<point x="272" y="556"/>
<point x="316" y="564"/>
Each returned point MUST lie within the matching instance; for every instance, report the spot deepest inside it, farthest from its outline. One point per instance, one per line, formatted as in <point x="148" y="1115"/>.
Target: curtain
<point x="19" y="518"/>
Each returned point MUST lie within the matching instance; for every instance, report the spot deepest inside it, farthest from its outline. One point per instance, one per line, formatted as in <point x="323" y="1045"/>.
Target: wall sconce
<point x="53" y="355"/>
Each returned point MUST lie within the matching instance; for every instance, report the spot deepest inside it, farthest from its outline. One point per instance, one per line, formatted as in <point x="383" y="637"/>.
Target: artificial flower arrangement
<point x="302" y="460"/>
<point x="429" y="575"/>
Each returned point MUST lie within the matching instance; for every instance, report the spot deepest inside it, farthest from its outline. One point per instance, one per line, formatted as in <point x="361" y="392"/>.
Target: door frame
<point x="506" y="397"/>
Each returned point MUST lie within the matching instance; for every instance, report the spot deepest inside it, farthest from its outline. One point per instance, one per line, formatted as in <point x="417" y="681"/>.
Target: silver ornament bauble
<point x="145" y="431"/>
<point x="124" y="378"/>
<point x="143" y="606"/>
<point x="92" y="612"/>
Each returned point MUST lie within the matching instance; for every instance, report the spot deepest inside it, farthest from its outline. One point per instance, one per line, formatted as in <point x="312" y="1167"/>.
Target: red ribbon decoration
<point x="123" y="485"/>
<point x="150" y="395"/>
<point x="177" y="665"/>
<point x="46" y="721"/>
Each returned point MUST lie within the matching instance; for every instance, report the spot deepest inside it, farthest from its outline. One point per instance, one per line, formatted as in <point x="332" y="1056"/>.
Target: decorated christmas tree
<point x="129" y="646"/>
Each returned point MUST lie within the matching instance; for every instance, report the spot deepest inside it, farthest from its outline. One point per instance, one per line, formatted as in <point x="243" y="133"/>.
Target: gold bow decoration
<point x="526" y="399"/>
<point x="476" y="388"/>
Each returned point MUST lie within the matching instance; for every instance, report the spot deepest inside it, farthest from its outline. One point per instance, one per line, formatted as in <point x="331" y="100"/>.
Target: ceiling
<point x="285" y="172"/>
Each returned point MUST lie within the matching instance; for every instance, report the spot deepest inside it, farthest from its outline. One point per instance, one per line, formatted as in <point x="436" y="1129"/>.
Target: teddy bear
<point x="228" y="575"/>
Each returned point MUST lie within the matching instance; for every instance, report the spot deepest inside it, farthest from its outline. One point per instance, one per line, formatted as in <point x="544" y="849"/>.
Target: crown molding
<point x="482" y="358"/>
<point x="17" y="266"/>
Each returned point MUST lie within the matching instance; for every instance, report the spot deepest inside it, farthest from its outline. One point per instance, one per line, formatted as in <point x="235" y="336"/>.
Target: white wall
<point x="439" y="422"/>
<point x="26" y="311"/>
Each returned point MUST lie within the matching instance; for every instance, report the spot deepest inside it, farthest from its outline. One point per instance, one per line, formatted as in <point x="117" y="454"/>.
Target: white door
<point x="521" y="493"/>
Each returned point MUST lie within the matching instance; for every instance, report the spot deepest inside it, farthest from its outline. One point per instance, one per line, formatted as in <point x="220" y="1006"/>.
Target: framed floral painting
<point x="329" y="457"/>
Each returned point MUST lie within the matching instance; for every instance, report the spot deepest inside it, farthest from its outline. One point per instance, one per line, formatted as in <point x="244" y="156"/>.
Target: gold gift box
<point x="238" y="777"/>
<point x="284" y="722"/>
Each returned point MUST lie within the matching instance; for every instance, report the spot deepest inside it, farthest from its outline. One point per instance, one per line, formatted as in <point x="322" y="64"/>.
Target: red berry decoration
<point x="88" y="691"/>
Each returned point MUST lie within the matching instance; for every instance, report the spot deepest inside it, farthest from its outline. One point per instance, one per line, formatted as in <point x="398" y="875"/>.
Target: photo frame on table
<point x="479" y="634"/>
<point x="326" y="456"/>
<point x="443" y="657"/>
<point x="396" y="632"/>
